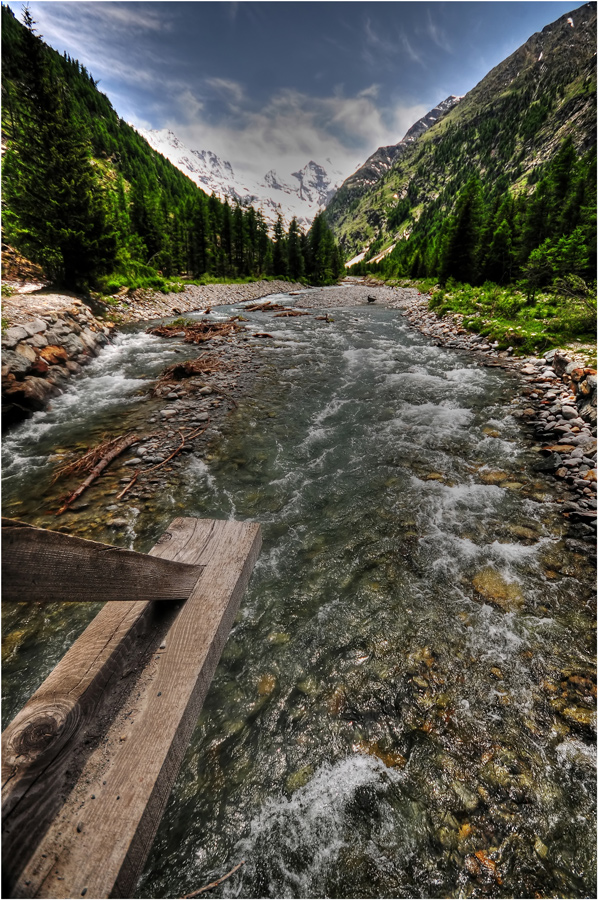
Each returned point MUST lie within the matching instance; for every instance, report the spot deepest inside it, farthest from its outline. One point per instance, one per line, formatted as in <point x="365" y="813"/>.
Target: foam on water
<point x="374" y="696"/>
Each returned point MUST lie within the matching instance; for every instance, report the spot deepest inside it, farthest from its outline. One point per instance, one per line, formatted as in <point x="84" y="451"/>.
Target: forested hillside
<point x="87" y="198"/>
<point x="504" y="185"/>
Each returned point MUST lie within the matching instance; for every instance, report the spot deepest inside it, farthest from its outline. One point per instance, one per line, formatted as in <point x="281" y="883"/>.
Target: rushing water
<point x="404" y="705"/>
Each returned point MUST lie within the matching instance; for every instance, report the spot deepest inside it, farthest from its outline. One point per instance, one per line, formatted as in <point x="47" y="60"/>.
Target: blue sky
<point x="275" y="84"/>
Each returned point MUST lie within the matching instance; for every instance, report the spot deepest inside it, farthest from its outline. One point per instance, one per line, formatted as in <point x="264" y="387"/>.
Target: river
<point x="404" y="705"/>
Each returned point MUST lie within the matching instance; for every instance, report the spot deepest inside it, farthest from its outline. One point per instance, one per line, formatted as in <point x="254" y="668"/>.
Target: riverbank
<point x="145" y="305"/>
<point x="51" y="336"/>
<point x="46" y="338"/>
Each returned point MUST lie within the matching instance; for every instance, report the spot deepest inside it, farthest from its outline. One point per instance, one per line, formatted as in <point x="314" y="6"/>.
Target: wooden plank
<point x="97" y="847"/>
<point x="47" y="565"/>
<point x="45" y="747"/>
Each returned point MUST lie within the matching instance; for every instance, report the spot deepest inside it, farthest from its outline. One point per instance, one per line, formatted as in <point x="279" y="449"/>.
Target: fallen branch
<point x="86" y="462"/>
<point x="178" y="449"/>
<point x="128" y="486"/>
<point x="119" y="446"/>
<point x="290" y="312"/>
<point x="203" y="365"/>
<point x="197" y="332"/>
<point x="214" y="884"/>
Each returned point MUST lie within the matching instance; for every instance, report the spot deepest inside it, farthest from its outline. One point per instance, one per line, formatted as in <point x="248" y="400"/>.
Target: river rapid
<point x="404" y="707"/>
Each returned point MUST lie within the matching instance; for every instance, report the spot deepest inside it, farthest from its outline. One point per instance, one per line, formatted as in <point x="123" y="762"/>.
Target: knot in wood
<point x="36" y="736"/>
<point x="165" y="538"/>
<point x="42" y="730"/>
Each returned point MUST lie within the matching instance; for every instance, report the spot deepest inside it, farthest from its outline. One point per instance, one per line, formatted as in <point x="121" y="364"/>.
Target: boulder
<point x="38" y="340"/>
<point x="73" y="345"/>
<point x="54" y="355"/>
<point x="31" y="393"/>
<point x="35" y="327"/>
<point x="14" y="335"/>
<point x="26" y="351"/>
<point x="16" y="363"/>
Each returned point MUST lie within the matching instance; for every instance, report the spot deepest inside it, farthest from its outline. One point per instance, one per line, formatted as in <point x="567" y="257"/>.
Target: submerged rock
<point x="491" y="585"/>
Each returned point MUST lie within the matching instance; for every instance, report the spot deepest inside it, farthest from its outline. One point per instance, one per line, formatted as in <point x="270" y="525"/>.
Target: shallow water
<point x="410" y="678"/>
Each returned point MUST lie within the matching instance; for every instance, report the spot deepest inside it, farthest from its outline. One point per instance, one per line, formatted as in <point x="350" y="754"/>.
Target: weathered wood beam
<point x="51" y="566"/>
<point x="89" y="762"/>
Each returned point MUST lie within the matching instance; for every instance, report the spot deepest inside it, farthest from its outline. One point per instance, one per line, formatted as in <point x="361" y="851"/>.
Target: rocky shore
<point x="48" y="338"/>
<point x="145" y="305"/>
<point x="557" y="405"/>
<point x="51" y="336"/>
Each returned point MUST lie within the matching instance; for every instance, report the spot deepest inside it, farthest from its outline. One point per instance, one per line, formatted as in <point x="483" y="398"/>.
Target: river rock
<point x="26" y="351"/>
<point x="491" y="585"/>
<point x="15" y="362"/>
<point x="73" y="345"/>
<point x="54" y="355"/>
<point x="36" y="326"/>
<point x="38" y="340"/>
<point x="14" y="335"/>
<point x="32" y="392"/>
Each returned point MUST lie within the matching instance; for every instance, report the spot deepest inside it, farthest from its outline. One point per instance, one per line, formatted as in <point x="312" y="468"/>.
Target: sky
<point x="275" y="84"/>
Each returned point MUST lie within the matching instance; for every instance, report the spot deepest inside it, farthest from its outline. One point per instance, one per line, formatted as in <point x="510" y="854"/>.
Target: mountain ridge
<point x="510" y="124"/>
<point x="271" y="194"/>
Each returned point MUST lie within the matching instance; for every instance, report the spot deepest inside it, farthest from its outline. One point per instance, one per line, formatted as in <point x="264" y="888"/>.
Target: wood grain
<point x="97" y="847"/>
<point x="50" y="566"/>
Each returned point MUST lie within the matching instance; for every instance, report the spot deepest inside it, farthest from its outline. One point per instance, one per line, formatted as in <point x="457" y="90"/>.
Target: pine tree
<point x="460" y="258"/>
<point x="295" y="256"/>
<point x="500" y="259"/>
<point x="55" y="210"/>
<point x="279" y="250"/>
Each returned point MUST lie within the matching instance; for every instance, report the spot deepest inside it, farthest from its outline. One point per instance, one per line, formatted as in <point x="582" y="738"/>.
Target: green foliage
<point x="504" y="314"/>
<point x="54" y="208"/>
<point x="89" y="200"/>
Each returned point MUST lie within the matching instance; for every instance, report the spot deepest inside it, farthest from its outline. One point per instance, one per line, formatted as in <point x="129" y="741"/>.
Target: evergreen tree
<point x="54" y="206"/>
<point x="295" y="256"/>
<point x="460" y="257"/>
<point x="279" y="250"/>
<point x="500" y="259"/>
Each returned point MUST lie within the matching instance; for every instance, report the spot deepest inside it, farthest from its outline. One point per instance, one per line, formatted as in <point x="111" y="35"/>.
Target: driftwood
<point x="271" y="307"/>
<point x="197" y="332"/>
<point x="262" y="307"/>
<point x="118" y="447"/>
<point x="128" y="486"/>
<point x="290" y="312"/>
<point x="263" y="334"/>
<point x="164" y="461"/>
<point x="214" y="884"/>
<point x="200" y="366"/>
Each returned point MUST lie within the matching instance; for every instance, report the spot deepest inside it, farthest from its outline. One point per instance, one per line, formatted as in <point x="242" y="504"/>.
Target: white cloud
<point x="293" y="128"/>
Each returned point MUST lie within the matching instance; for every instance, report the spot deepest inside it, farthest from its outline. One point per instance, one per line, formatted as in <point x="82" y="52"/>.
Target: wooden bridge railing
<point x="89" y="762"/>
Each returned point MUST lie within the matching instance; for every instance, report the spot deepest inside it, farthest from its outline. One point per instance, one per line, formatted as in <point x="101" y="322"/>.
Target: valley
<point x="392" y="373"/>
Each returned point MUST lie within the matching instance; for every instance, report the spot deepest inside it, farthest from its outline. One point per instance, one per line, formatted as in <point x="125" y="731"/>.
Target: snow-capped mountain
<point x="303" y="194"/>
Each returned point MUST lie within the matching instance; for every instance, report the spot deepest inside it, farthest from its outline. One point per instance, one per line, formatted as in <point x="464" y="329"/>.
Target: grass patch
<point x="504" y="314"/>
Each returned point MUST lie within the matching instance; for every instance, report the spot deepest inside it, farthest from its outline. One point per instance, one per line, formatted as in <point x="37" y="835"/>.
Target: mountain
<point x="383" y="158"/>
<point x="88" y="199"/>
<point x="303" y="194"/>
<point x="505" y="131"/>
